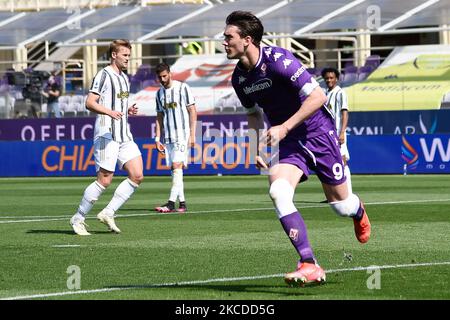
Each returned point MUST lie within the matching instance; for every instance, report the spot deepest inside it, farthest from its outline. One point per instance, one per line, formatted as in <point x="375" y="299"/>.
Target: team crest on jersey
<point x="277" y="56"/>
<point x="293" y="234"/>
<point x="123" y="95"/>
<point x="263" y="69"/>
<point x="287" y="63"/>
<point x="241" y="79"/>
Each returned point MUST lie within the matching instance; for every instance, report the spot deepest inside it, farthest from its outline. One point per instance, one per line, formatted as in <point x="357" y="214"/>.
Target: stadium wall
<point x="379" y="143"/>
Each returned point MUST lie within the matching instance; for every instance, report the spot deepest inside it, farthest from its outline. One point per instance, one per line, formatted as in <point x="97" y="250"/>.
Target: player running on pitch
<point x="294" y="105"/>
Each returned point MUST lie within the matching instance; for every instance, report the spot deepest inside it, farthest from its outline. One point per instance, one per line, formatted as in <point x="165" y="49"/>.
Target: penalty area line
<point x="217" y="280"/>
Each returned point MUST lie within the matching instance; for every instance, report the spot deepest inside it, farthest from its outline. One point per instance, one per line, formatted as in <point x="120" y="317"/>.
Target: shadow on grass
<point x="296" y="202"/>
<point x="149" y="209"/>
<point x="282" y="290"/>
<point x="45" y="231"/>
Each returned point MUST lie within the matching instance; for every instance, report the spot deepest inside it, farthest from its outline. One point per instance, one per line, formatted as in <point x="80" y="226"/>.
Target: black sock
<point x="309" y="260"/>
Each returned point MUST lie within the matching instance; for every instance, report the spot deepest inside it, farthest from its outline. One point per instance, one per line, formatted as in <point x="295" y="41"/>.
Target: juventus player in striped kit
<point x="273" y="79"/>
<point x="113" y="141"/>
<point x="337" y="103"/>
<point x="177" y="115"/>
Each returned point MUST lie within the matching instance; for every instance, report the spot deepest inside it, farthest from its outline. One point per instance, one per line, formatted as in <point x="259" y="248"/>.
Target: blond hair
<point x="116" y="44"/>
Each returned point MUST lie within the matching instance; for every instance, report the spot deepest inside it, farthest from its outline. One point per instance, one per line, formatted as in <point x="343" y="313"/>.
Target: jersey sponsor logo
<point x="258" y="86"/>
<point x="287" y="63"/>
<point x="171" y="105"/>
<point x="241" y="79"/>
<point x="123" y="95"/>
<point x="298" y="73"/>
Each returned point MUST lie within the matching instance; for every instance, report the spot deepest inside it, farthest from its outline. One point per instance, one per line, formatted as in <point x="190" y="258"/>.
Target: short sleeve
<point x="296" y="74"/>
<point x="343" y="100"/>
<point x="99" y="83"/>
<point x="190" y="99"/>
<point x="159" y="107"/>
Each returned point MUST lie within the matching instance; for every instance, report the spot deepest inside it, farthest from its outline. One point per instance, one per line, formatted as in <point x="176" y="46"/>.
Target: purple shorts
<point x="320" y="154"/>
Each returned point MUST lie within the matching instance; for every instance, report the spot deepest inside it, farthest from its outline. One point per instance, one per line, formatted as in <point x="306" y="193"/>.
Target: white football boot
<point x="108" y="220"/>
<point x="79" y="227"/>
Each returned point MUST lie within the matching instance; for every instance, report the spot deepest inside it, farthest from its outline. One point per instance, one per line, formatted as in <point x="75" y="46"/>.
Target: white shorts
<point x="344" y="151"/>
<point x="177" y="152"/>
<point x="107" y="152"/>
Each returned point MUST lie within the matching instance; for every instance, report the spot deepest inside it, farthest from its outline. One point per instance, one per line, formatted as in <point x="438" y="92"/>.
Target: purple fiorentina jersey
<point x="279" y="84"/>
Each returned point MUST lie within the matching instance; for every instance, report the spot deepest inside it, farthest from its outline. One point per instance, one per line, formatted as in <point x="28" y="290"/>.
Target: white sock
<point x="349" y="179"/>
<point x="123" y="192"/>
<point x="180" y="185"/>
<point x="91" y="194"/>
<point x="177" y="189"/>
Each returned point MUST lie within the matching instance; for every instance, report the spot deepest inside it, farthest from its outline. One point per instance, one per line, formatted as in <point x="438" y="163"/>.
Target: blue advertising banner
<point x="399" y="154"/>
<point x="399" y="122"/>
<point x="377" y="154"/>
<point x="76" y="158"/>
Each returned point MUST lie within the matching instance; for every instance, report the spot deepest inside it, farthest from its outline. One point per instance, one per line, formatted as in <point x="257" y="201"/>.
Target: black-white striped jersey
<point x="336" y="102"/>
<point x="173" y="102"/>
<point x="114" y="91"/>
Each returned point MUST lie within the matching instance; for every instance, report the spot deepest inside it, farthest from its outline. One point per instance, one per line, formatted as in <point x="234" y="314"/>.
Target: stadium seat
<point x="63" y="107"/>
<point x="349" y="78"/>
<point x="350" y="69"/>
<point x="373" y="61"/>
<point x="64" y="99"/>
<point x="77" y="99"/>
<point x="364" y="72"/>
<point x="69" y="109"/>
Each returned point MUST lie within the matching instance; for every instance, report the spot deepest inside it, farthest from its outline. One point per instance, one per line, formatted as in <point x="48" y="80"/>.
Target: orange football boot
<point x="306" y="273"/>
<point x="362" y="227"/>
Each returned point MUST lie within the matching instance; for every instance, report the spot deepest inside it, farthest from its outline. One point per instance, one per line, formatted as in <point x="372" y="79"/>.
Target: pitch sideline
<point x="61" y="218"/>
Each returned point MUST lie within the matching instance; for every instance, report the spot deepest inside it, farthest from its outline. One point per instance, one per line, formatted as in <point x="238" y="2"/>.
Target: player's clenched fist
<point x="133" y="110"/>
<point x="260" y="163"/>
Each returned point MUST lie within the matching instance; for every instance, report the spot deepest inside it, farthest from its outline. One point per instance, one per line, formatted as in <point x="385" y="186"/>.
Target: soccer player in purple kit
<point x="272" y="79"/>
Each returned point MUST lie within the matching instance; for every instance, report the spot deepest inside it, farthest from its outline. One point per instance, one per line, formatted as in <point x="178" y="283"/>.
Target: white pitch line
<point x="196" y="282"/>
<point x="66" y="246"/>
<point x="61" y="218"/>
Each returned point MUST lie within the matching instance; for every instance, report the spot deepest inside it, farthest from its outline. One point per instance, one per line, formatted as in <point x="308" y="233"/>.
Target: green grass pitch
<point x="230" y="245"/>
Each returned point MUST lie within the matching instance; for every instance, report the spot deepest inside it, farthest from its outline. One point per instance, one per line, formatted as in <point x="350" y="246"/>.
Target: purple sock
<point x="295" y="228"/>
<point x="360" y="213"/>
